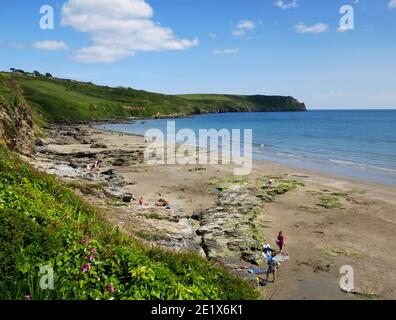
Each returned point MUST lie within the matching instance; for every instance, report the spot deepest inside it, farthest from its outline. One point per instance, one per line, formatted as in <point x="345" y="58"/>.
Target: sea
<point x="354" y="143"/>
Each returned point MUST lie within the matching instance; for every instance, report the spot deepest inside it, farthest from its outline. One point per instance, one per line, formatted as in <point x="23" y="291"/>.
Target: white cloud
<point x="212" y="35"/>
<point x="218" y="52"/>
<point x="118" y="29"/>
<point x="316" y="28"/>
<point x="243" y="27"/>
<point x="286" y="5"/>
<point x="50" y="45"/>
<point x="392" y="4"/>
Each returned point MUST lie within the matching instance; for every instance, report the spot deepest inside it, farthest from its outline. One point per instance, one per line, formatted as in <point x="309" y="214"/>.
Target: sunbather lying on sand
<point x="161" y="203"/>
<point x="143" y="203"/>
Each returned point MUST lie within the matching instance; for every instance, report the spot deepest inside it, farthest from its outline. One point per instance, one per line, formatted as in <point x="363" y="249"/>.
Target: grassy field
<point x="43" y="223"/>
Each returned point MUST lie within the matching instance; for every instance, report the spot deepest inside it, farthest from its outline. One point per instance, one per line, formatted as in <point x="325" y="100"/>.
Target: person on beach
<point x="94" y="167"/>
<point x="161" y="203"/>
<point x="280" y="241"/>
<point x="273" y="266"/>
<point x="268" y="252"/>
<point x="143" y="203"/>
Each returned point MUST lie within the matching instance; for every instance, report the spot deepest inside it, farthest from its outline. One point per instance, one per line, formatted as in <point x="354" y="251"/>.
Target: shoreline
<point x="329" y="221"/>
<point x="309" y="167"/>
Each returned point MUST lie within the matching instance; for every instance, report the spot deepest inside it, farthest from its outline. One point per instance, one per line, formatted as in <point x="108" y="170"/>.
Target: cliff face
<point x="16" y="123"/>
<point x="206" y="103"/>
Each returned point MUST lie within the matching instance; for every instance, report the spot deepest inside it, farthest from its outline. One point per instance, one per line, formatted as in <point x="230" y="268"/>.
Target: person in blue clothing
<point x="268" y="252"/>
<point x="273" y="266"/>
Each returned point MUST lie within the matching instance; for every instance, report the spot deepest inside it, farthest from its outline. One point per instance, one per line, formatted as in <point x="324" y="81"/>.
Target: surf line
<point x="166" y="147"/>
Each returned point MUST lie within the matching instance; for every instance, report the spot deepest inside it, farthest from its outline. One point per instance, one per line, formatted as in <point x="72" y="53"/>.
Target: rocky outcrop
<point x="107" y="187"/>
<point x="16" y="123"/>
<point x="229" y="230"/>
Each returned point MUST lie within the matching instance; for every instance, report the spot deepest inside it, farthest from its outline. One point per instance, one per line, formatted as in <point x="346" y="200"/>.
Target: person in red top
<point x="280" y="241"/>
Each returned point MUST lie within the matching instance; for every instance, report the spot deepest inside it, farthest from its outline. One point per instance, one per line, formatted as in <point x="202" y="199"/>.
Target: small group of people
<point x="271" y="256"/>
<point x="161" y="203"/>
<point x="94" y="167"/>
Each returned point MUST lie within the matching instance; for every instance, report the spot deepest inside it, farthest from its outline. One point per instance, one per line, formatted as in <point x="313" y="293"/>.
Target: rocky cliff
<point x="16" y="123"/>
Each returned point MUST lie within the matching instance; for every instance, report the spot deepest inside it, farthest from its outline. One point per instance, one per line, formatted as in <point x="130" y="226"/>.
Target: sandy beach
<point x="328" y="221"/>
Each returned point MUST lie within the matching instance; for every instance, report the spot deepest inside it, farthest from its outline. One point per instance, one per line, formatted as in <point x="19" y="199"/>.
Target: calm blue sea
<point x="359" y="143"/>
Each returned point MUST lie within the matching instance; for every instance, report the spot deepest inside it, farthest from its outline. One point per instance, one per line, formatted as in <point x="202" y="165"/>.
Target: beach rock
<point x="40" y="142"/>
<point x="116" y="180"/>
<point x="110" y="172"/>
<point x="196" y="216"/>
<point x="127" y="198"/>
<point x="99" y="146"/>
<point x="86" y="141"/>
<point x="266" y="198"/>
<point x="116" y="193"/>
<point x="252" y="257"/>
<point x="91" y="176"/>
<point x="120" y="162"/>
<point x="228" y="230"/>
<point x="64" y="140"/>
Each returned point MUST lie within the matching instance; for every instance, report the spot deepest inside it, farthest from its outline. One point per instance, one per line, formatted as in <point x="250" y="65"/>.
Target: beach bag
<point x="263" y="283"/>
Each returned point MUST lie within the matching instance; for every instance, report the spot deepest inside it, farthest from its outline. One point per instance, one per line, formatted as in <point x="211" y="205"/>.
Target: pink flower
<point x="85" y="241"/>
<point x="91" y="257"/>
<point x="92" y="251"/>
<point x="110" y="288"/>
<point x="86" y="268"/>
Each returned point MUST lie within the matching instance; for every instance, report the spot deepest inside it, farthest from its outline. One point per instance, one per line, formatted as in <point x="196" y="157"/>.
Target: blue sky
<point x="290" y="47"/>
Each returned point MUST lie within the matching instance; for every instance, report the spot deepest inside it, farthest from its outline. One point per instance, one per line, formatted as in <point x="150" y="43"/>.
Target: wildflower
<point x="86" y="268"/>
<point x="85" y="240"/>
<point x="110" y="288"/>
<point x="92" y="251"/>
<point x="91" y="257"/>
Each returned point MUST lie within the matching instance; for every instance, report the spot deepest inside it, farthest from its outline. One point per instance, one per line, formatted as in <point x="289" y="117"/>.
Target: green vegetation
<point x="330" y="203"/>
<point x="333" y="253"/>
<point x="231" y="183"/>
<point x="340" y="194"/>
<point x="366" y="296"/>
<point x="283" y="186"/>
<point x="43" y="223"/>
<point x="239" y="103"/>
<point x="67" y="100"/>
<point x="314" y="193"/>
<point x="357" y="191"/>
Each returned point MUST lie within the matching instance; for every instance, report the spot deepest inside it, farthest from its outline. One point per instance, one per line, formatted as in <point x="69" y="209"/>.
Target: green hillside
<point x="68" y="100"/>
<point x="240" y="103"/>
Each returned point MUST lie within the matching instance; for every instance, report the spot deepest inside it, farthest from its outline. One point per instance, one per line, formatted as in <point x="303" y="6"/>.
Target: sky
<point x="309" y="49"/>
